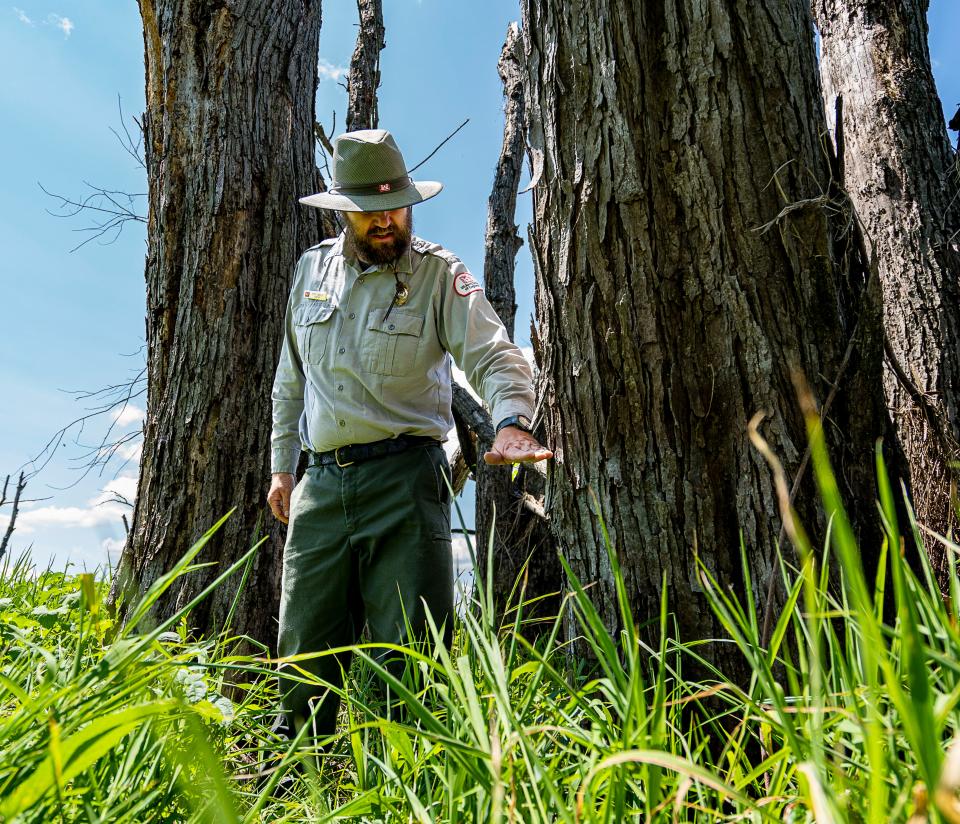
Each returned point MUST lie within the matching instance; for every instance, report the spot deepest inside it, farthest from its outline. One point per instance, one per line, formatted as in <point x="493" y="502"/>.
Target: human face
<point x="380" y="237"/>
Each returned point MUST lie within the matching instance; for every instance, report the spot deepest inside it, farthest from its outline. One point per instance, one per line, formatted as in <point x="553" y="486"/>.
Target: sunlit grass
<point x="845" y="718"/>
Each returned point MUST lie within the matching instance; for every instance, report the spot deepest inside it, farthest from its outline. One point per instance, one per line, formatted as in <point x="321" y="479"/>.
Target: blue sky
<point x="74" y="320"/>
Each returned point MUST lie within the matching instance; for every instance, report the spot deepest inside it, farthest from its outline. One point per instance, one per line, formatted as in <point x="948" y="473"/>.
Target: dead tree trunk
<point x="897" y="164"/>
<point x="364" y="77"/>
<point x="14" y="509"/>
<point x="663" y="137"/>
<point x="229" y="148"/>
<point x="502" y="504"/>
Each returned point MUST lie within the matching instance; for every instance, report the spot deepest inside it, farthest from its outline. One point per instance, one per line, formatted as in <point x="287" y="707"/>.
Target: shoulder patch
<point x="466" y="284"/>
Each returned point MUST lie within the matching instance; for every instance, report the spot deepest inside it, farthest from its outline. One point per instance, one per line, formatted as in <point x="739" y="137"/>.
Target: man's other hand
<point x="513" y="445"/>
<point x="278" y="497"/>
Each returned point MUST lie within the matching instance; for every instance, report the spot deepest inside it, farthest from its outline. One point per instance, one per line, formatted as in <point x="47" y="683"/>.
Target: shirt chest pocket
<point x="312" y="324"/>
<point x="391" y="343"/>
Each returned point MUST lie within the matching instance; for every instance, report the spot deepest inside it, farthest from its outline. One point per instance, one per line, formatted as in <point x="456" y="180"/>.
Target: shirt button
<point x="352" y="316"/>
<point x="340" y="388"/>
<point x="343" y="423"/>
<point x="391" y="327"/>
<point x="341" y="350"/>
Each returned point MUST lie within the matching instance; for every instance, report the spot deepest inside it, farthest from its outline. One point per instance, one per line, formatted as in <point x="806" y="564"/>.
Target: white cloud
<point x="125" y="486"/>
<point x="100" y="510"/>
<point x="65" y="24"/>
<point x="131" y="451"/>
<point x="128" y="414"/>
<point x="70" y="517"/>
<point x="113" y="547"/>
<point x="328" y="71"/>
<point x="22" y="16"/>
<point x="461" y="554"/>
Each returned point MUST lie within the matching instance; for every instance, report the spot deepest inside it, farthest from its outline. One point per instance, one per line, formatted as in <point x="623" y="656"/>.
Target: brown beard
<point x="384" y="253"/>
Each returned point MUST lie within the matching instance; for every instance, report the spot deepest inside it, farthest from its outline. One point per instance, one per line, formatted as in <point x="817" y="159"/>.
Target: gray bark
<point x="364" y="77"/>
<point x="14" y="509"/>
<point x="501" y="516"/>
<point x="663" y="136"/>
<point x="897" y="165"/>
<point x="229" y="148"/>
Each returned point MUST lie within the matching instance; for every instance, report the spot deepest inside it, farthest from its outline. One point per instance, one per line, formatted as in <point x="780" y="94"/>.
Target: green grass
<point x="845" y="719"/>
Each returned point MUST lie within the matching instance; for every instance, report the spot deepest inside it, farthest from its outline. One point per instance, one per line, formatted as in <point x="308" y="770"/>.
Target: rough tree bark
<point x="663" y="136"/>
<point x="517" y="532"/>
<point x="897" y="164"/>
<point x="364" y="77"/>
<point x="229" y="148"/>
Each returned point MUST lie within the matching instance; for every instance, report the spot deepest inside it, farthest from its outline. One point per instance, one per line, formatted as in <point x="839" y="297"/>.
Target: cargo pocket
<point x="312" y="323"/>
<point x="392" y="342"/>
<point x="441" y="480"/>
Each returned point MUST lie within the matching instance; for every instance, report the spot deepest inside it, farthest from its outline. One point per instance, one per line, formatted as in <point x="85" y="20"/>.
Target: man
<point x="363" y="385"/>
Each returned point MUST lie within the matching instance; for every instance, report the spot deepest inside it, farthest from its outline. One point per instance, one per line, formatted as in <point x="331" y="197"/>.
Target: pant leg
<point x="320" y="607"/>
<point x="403" y="545"/>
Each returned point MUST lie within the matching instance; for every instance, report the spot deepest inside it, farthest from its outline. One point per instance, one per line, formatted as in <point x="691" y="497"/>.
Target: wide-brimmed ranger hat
<point x="369" y="175"/>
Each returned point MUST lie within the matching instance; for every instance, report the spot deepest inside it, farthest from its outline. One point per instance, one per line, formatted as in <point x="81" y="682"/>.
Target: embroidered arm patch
<point x="465" y="284"/>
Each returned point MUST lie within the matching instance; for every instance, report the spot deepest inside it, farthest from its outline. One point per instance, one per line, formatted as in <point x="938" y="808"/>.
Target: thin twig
<point x="465" y="122"/>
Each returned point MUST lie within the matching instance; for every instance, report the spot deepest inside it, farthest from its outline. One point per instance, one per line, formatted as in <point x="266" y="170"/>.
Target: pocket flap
<point x="312" y="312"/>
<point x="397" y="323"/>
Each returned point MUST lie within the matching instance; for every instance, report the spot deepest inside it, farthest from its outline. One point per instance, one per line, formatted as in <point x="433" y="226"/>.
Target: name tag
<point x="311" y="295"/>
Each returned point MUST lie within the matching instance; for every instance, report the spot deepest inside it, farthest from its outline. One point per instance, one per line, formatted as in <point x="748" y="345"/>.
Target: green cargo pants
<point x="367" y="543"/>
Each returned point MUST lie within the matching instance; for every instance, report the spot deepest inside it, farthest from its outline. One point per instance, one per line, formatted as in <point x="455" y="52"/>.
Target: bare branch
<point x="322" y="138"/>
<point x="117" y="498"/>
<point x="109" y="214"/>
<point x="111" y="210"/>
<point x="111" y="400"/>
<point x="135" y="150"/>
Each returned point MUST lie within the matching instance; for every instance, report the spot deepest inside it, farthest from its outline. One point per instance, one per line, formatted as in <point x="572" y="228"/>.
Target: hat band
<point x="373" y="188"/>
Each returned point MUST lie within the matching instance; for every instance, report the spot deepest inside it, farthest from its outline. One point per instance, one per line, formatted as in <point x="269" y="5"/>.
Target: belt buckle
<point x="336" y="457"/>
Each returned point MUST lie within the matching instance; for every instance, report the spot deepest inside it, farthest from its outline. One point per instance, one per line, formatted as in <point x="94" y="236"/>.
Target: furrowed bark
<point x="517" y="533"/>
<point x="229" y="148"/>
<point x="364" y="77"/>
<point x="897" y="169"/>
<point x="663" y="136"/>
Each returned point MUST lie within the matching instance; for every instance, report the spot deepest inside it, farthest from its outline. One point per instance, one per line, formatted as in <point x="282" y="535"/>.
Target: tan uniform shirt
<point x="350" y="373"/>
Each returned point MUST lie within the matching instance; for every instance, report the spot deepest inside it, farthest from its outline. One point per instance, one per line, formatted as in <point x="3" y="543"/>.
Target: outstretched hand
<point x="513" y="445"/>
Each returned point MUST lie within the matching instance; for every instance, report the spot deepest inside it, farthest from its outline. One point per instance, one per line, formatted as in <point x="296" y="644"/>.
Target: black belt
<point x="357" y="452"/>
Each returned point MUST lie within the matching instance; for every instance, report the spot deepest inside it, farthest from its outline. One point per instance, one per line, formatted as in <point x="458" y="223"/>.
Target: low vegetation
<point x="847" y="717"/>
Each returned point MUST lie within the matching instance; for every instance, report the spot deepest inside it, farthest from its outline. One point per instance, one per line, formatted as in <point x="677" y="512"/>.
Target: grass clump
<point x="846" y="718"/>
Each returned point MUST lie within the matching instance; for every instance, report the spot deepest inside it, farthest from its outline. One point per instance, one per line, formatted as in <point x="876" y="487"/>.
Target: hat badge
<point x="385" y="187"/>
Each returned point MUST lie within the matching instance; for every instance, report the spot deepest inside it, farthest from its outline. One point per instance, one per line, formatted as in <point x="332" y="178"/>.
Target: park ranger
<point x="363" y="386"/>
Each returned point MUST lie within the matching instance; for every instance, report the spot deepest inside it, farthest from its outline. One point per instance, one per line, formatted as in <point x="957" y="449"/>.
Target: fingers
<point x="278" y="498"/>
<point x="279" y="505"/>
<point x="517" y="454"/>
